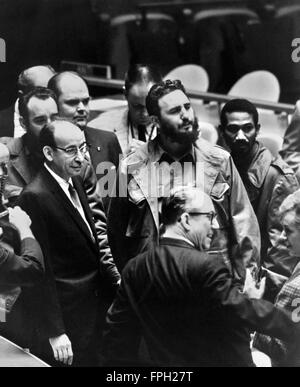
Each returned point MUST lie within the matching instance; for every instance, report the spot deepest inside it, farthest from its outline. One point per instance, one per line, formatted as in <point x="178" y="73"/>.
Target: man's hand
<point x="62" y="349"/>
<point x="21" y="221"/>
<point x="251" y="289"/>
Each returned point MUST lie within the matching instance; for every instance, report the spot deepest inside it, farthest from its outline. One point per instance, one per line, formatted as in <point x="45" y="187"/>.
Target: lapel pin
<point x="98" y="148"/>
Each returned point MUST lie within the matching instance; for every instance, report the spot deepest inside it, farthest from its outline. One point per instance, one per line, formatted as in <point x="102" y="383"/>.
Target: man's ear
<point x="48" y="153"/>
<point x="22" y="123"/>
<point x="185" y="221"/>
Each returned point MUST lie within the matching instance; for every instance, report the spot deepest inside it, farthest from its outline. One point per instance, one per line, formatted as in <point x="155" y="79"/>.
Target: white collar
<point x="62" y="182"/>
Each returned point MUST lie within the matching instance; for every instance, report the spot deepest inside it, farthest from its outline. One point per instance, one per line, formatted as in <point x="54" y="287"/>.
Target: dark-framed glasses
<point x="234" y="128"/>
<point x="73" y="151"/>
<point x="210" y="215"/>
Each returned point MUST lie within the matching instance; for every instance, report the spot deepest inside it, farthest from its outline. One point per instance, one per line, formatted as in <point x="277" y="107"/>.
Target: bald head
<point x="73" y="97"/>
<point x="37" y="76"/>
<point x="64" y="148"/>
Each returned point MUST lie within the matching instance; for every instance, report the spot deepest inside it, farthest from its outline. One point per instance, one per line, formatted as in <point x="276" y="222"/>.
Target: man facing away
<point x="268" y="180"/>
<point x="176" y="157"/>
<point x="71" y="302"/>
<point x="184" y="302"/>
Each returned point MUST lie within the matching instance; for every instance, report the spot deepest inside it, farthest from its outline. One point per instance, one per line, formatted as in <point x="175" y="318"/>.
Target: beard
<point x="180" y="135"/>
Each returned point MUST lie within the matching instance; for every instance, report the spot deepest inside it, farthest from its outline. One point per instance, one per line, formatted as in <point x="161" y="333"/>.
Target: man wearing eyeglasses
<point x="267" y="179"/>
<point x="185" y="304"/>
<point x="71" y="302"/>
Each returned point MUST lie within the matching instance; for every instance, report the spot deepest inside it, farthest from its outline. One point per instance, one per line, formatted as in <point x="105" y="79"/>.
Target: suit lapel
<point x="54" y="187"/>
<point x="83" y="200"/>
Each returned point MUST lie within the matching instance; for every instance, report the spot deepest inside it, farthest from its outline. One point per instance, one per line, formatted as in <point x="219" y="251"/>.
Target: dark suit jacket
<point x="22" y="169"/>
<point x="186" y="306"/>
<point x="105" y="147"/>
<point x="70" y="297"/>
<point x="17" y="272"/>
<point x="7" y="121"/>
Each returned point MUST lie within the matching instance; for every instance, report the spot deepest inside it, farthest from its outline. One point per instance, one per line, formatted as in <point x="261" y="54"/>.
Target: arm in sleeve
<point x="246" y="233"/>
<point x="50" y="313"/>
<point x="108" y="266"/>
<point x="24" y="270"/>
<point x="122" y="334"/>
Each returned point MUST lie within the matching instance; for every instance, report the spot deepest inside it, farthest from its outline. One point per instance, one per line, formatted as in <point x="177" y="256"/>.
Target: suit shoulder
<point x="111" y="120"/>
<point x="101" y="135"/>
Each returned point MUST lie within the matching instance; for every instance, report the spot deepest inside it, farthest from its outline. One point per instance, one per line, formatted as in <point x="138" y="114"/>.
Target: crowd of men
<point x="143" y="243"/>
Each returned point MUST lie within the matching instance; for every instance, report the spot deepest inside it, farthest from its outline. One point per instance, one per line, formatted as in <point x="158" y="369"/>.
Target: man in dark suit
<point x="185" y="303"/>
<point x="72" y="306"/>
<point x="38" y="108"/>
<point x="73" y="103"/>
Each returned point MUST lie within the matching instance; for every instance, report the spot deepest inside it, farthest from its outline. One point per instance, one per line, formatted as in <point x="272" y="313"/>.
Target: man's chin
<point x="82" y="123"/>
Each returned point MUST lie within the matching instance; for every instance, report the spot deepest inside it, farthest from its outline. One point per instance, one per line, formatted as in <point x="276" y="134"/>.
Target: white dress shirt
<point x="65" y="187"/>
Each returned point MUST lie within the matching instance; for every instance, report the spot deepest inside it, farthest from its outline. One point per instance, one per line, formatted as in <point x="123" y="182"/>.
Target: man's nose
<point x="79" y="156"/>
<point x="81" y="106"/>
<point x="215" y="224"/>
<point x="241" y="136"/>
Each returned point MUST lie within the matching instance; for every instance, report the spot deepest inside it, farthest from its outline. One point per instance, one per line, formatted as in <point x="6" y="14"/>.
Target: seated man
<point x="132" y="125"/>
<point x="268" y="180"/>
<point x="184" y="303"/>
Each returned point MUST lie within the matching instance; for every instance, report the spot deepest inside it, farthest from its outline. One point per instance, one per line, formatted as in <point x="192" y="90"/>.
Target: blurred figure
<point x="21" y="266"/>
<point x="282" y="353"/>
<point x="291" y="143"/>
<point x="268" y="180"/>
<point x="132" y="125"/>
<point x="184" y="303"/>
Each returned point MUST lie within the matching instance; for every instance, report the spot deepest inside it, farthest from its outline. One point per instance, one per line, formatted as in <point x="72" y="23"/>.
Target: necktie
<point x="78" y="206"/>
<point x="74" y="196"/>
<point x="142" y="132"/>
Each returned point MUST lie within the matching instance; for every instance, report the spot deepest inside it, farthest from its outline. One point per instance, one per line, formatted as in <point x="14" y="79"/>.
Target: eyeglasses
<point x="233" y="128"/>
<point x="72" y="151"/>
<point x="210" y="215"/>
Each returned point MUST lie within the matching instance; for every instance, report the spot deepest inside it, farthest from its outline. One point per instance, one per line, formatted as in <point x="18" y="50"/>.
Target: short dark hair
<point x="176" y="204"/>
<point x="54" y="82"/>
<point x="24" y="83"/>
<point x="158" y="91"/>
<point x="41" y="93"/>
<point x="47" y="135"/>
<point x="238" y="105"/>
<point x="141" y="73"/>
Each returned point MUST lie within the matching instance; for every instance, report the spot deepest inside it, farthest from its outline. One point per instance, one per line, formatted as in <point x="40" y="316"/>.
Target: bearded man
<point x="174" y="158"/>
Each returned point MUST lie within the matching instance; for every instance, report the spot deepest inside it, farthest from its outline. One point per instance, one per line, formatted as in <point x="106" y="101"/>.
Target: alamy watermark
<point x="296" y="50"/>
<point x="2" y="51"/>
